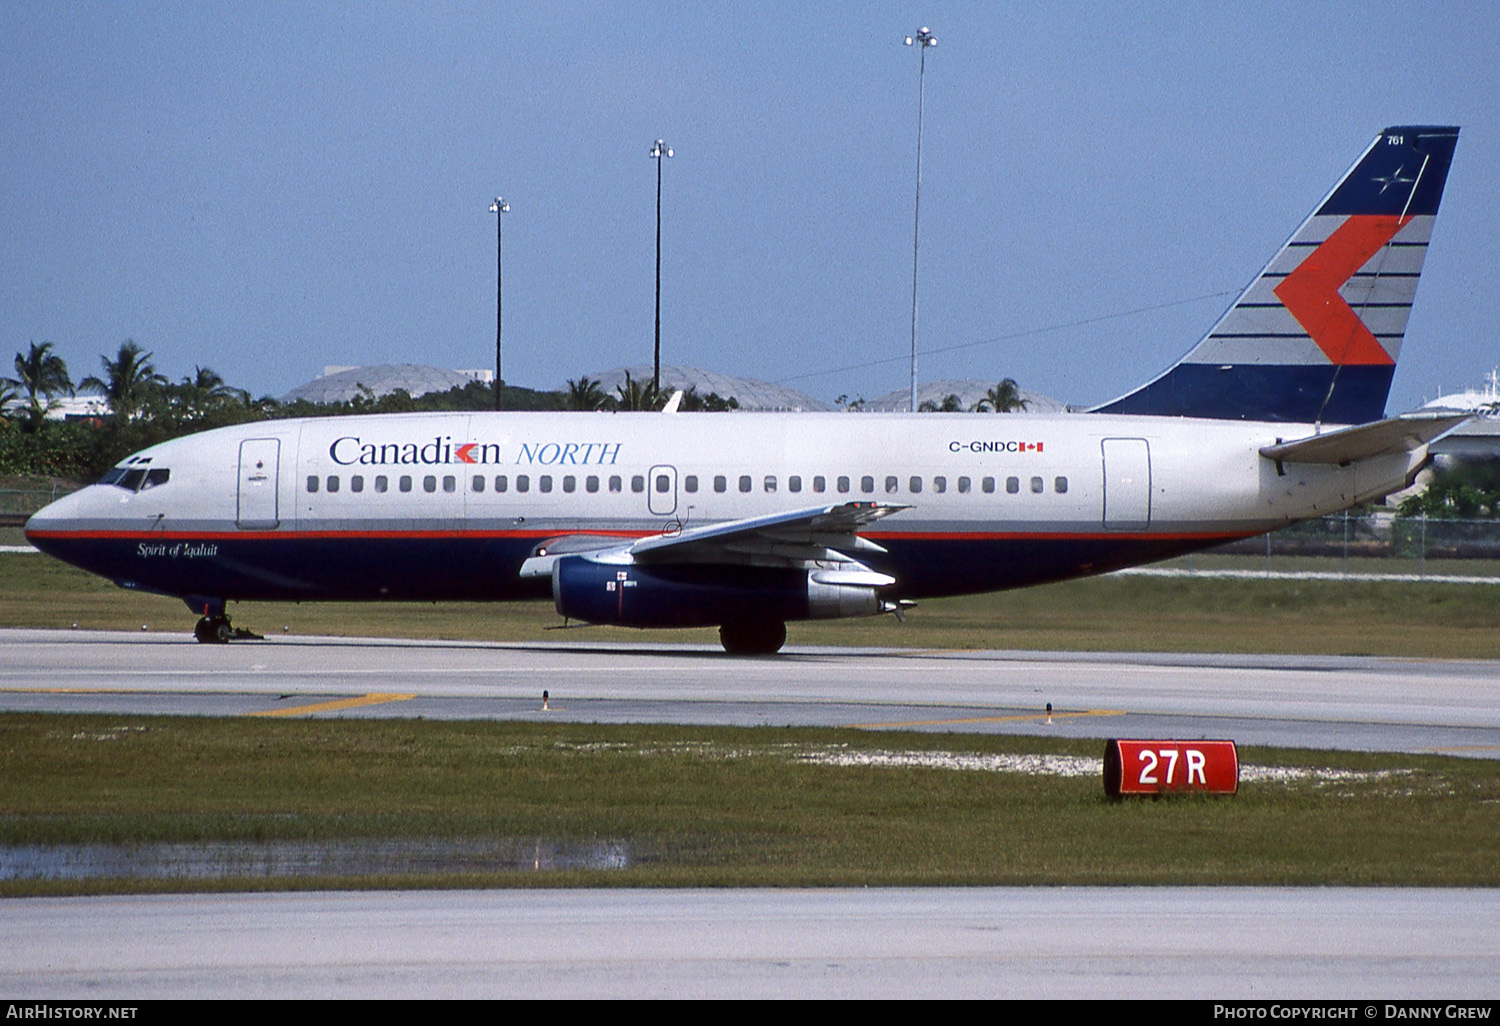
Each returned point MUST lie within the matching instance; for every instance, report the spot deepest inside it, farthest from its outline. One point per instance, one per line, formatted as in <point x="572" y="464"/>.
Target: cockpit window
<point x="136" y="479"/>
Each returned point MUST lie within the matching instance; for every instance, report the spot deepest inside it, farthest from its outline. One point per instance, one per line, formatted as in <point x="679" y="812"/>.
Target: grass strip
<point x="698" y="806"/>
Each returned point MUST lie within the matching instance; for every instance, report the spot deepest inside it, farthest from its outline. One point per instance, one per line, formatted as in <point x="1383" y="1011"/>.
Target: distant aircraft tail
<point x="1315" y="337"/>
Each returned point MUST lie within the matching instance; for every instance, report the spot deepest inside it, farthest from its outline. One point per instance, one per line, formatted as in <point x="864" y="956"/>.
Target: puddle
<point x="277" y="859"/>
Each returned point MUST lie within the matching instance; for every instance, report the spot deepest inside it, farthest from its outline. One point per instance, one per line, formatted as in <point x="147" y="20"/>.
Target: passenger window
<point x="770" y="482"/>
<point x="891" y="484"/>
<point x="405" y="482"/>
<point x="478" y="483"/>
<point x="523" y="483"/>
<point x="988" y="484"/>
<point x="794" y="483"/>
<point x="1061" y="485"/>
<point x="450" y="483"/>
<point x="381" y="483"/>
<point x="940" y="484"/>
<point x="591" y="483"/>
<point x="690" y="483"/>
<point x="819" y="484"/>
<point x="744" y="482"/>
<point x="500" y="483"/>
<point x="429" y="483"/>
<point x="615" y="484"/>
<point x="1036" y="485"/>
<point x="637" y="483"/>
<point x="544" y="483"/>
<point x="356" y="483"/>
<point x="915" y="485"/>
<point x="312" y="481"/>
<point x="333" y="483"/>
<point x="1012" y="485"/>
<point x="663" y="483"/>
<point x="867" y="484"/>
<point x="843" y="485"/>
<point x="963" y="485"/>
<point x="570" y="483"/>
<point x="720" y="484"/>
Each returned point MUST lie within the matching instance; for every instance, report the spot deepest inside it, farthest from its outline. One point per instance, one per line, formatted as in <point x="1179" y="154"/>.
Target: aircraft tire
<point x="213" y="630"/>
<point x="753" y="637"/>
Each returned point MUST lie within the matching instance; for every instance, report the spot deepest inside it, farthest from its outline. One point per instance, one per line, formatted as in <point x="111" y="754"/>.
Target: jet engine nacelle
<point x="668" y="595"/>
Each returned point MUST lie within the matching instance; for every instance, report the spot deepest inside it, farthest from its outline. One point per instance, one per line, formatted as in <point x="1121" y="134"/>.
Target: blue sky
<point x="266" y="188"/>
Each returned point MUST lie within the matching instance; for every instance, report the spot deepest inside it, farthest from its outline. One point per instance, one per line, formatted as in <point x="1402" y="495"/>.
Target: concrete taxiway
<point x="1355" y="945"/>
<point x="1360" y="703"/>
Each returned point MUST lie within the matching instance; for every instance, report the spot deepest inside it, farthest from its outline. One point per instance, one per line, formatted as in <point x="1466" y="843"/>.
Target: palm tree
<point x="42" y="374"/>
<point x="637" y="395"/>
<point x="128" y="379"/>
<point x="1005" y="397"/>
<point x="585" y="394"/>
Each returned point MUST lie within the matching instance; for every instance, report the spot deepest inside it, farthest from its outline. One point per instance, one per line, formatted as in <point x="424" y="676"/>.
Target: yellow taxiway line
<point x="336" y="705"/>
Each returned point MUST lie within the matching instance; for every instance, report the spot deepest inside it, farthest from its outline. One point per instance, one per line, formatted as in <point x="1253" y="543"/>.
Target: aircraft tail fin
<point x="1316" y="335"/>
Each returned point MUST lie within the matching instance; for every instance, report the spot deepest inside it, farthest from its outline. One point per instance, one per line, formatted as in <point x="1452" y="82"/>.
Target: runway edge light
<point x="1143" y="767"/>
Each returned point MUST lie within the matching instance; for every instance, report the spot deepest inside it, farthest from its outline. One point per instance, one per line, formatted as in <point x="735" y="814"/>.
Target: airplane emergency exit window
<point x="843" y="485"/>
<point x="450" y="483"/>
<point x="333" y="482"/>
<point x="637" y="482"/>
<point x="429" y="483"/>
<point x="544" y="483"/>
<point x="381" y="483"/>
<point x="1012" y="485"/>
<point x="690" y="483"/>
<point x="744" y="482"/>
<point x="523" y="483"/>
<point x="1060" y="486"/>
<point x="405" y="483"/>
<point x="312" y="482"/>
<point x="356" y="483"/>
<point x="500" y="483"/>
<point x="663" y="483"/>
<point x="720" y="482"/>
<point x="1036" y="485"/>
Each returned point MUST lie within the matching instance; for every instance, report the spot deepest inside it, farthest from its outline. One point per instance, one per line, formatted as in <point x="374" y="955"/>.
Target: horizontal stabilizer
<point x="1380" y="438"/>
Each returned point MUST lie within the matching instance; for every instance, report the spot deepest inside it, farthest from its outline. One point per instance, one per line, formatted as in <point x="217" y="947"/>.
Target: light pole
<point x="922" y="40"/>
<point x="499" y="208"/>
<point x="659" y="150"/>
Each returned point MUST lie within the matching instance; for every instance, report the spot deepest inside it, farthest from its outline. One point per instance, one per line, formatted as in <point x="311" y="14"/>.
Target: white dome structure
<point x="969" y="392"/>
<point x="340" y="385"/>
<point x="749" y="393"/>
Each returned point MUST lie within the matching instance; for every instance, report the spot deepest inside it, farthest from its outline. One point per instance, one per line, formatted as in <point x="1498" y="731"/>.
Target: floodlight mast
<point x="499" y="208"/>
<point x="659" y="151"/>
<point x="922" y="40"/>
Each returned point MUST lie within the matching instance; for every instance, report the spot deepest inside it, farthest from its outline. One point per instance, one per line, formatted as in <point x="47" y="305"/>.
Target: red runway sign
<point x="1156" y="767"/>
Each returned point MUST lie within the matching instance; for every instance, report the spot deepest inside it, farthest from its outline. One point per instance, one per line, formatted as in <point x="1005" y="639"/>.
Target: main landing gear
<point x="213" y="627"/>
<point x="753" y="637"/>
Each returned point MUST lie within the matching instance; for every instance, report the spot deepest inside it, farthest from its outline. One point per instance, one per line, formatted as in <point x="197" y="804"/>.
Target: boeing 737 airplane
<point x="747" y="521"/>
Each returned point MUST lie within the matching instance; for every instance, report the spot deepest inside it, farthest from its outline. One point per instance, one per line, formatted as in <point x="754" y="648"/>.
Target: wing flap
<point x="1379" y="438"/>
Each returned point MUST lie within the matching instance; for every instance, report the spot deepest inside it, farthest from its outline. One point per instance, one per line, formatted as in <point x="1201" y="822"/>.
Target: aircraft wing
<point x="819" y="534"/>
<point x="1363" y="441"/>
